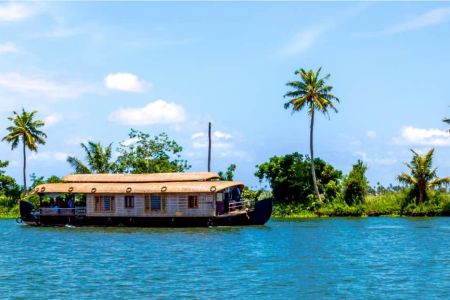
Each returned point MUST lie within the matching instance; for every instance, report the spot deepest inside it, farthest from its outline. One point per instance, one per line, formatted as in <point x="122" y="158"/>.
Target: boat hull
<point x="259" y="216"/>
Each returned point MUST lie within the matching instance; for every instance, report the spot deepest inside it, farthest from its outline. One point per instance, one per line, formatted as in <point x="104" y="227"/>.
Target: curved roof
<point x="137" y="188"/>
<point x="135" y="178"/>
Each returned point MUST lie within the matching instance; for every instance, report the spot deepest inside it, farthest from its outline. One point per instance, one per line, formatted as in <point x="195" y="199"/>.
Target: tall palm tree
<point x="313" y="93"/>
<point x="25" y="129"/>
<point x="98" y="159"/>
<point x="422" y="176"/>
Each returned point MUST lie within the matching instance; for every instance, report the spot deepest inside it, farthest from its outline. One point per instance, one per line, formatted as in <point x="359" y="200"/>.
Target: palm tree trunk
<point x="24" y="169"/>
<point x="311" y="149"/>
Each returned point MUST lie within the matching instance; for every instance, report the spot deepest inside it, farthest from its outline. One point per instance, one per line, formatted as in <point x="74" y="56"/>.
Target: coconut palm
<point x="313" y="93"/>
<point x="26" y="130"/>
<point x="422" y="176"/>
<point x="98" y="159"/>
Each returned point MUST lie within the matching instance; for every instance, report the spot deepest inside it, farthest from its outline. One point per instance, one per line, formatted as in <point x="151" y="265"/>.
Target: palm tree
<point x="313" y="93"/>
<point x="98" y="159"/>
<point x="422" y="177"/>
<point x="25" y="129"/>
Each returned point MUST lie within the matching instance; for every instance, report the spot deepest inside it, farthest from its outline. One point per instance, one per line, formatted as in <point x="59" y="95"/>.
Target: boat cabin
<point x="167" y="195"/>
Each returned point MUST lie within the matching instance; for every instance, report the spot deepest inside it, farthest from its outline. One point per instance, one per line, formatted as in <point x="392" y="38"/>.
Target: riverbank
<point x="390" y="204"/>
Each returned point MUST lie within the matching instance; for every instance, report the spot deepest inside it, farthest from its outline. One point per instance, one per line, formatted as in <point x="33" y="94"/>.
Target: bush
<point x="356" y="184"/>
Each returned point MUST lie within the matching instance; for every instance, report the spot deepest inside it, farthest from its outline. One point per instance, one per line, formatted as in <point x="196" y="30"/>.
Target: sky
<point x="95" y="70"/>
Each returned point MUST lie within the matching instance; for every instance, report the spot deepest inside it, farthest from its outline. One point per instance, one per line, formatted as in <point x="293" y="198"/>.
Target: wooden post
<point x="209" y="147"/>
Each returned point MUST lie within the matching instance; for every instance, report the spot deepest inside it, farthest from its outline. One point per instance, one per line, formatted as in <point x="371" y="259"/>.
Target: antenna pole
<point x="209" y="147"/>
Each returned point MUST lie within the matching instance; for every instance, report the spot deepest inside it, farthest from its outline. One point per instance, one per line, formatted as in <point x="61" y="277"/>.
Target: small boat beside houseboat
<point x="144" y="200"/>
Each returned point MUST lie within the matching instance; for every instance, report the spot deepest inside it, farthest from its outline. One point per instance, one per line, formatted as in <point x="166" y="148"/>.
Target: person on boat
<point x="70" y="202"/>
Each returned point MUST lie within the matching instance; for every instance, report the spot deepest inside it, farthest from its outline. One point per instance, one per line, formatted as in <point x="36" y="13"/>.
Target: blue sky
<point x="95" y="70"/>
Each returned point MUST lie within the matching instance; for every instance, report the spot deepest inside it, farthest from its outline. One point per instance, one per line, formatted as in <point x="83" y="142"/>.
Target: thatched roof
<point x="137" y="188"/>
<point x="135" y="178"/>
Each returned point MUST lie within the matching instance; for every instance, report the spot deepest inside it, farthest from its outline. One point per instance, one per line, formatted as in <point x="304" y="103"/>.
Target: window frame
<point x="128" y="202"/>
<point x="99" y="204"/>
<point x="195" y="202"/>
<point x="148" y="203"/>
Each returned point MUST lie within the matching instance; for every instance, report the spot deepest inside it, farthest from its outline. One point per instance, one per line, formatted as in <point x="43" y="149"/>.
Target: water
<point x="374" y="258"/>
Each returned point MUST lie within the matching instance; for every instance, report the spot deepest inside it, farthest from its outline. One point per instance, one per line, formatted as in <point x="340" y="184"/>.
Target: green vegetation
<point x="98" y="159"/>
<point x="25" y="130"/>
<point x="313" y="93"/>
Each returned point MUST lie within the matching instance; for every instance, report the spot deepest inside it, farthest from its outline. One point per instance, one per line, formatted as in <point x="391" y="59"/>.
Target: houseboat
<point x="144" y="200"/>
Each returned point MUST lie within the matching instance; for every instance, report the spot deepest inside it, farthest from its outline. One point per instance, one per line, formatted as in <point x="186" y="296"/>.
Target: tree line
<point x="293" y="178"/>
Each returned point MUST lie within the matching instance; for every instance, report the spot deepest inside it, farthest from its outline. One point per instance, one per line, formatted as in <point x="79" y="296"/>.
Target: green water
<point x="374" y="258"/>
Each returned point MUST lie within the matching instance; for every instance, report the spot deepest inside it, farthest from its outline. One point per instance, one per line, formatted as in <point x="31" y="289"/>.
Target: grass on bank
<point x="388" y="204"/>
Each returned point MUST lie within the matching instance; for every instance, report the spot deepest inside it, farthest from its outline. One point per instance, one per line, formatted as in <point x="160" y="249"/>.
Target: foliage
<point x="229" y="174"/>
<point x="98" y="159"/>
<point x="356" y="184"/>
<point x="8" y="186"/>
<point x="260" y="194"/>
<point x="289" y="178"/>
<point x="35" y="181"/>
<point x="150" y="155"/>
<point x="25" y="129"/>
<point x="422" y="177"/>
<point x="313" y="93"/>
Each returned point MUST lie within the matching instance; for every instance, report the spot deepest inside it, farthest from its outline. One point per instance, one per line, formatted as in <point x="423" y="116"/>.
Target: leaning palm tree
<point x="422" y="176"/>
<point x="311" y="92"/>
<point x="98" y="159"/>
<point x="26" y="130"/>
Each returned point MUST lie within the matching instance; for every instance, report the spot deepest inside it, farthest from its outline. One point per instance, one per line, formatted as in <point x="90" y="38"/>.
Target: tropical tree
<point x="229" y="174"/>
<point x="422" y="176"/>
<point x="446" y="120"/>
<point x="313" y="93"/>
<point x="98" y="159"/>
<point x="26" y="130"/>
<point x="142" y="153"/>
<point x="356" y="184"/>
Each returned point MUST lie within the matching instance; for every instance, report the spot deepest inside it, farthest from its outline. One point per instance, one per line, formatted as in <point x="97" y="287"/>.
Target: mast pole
<point x="209" y="147"/>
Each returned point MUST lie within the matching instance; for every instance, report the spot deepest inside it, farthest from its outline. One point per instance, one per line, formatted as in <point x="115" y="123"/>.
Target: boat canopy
<point x="135" y="178"/>
<point x="137" y="187"/>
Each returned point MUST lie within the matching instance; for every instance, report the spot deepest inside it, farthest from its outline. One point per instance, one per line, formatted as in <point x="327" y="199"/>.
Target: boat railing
<point x="241" y="205"/>
<point x="55" y="211"/>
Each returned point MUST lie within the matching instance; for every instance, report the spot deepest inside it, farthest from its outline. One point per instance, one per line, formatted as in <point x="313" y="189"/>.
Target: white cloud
<point x="126" y="82"/>
<point x="157" y="112"/>
<point x="8" y="47"/>
<point x="48" y="155"/>
<point x="371" y="134"/>
<point x="52" y="119"/>
<point x="385" y="160"/>
<point x="422" y="137"/>
<point x="198" y="135"/>
<point x="430" y="18"/>
<point x="33" y="85"/>
<point x="302" y="41"/>
<point x="222" y="135"/>
<point x="14" y="12"/>
<point x="130" y="141"/>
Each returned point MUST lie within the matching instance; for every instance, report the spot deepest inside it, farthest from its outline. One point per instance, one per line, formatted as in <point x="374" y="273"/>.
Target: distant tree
<point x="35" y="180"/>
<point x="447" y="121"/>
<point x="98" y="159"/>
<point x="288" y="177"/>
<point x="150" y="155"/>
<point x="229" y="174"/>
<point x="8" y="185"/>
<point x="356" y="184"/>
<point x="422" y="177"/>
<point x="26" y="130"/>
<point x="312" y="93"/>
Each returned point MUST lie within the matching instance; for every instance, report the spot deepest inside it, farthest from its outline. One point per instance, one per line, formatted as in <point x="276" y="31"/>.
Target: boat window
<point x="129" y="201"/>
<point x="219" y="197"/>
<point x="155" y="203"/>
<point x="104" y="203"/>
<point x="192" y="202"/>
